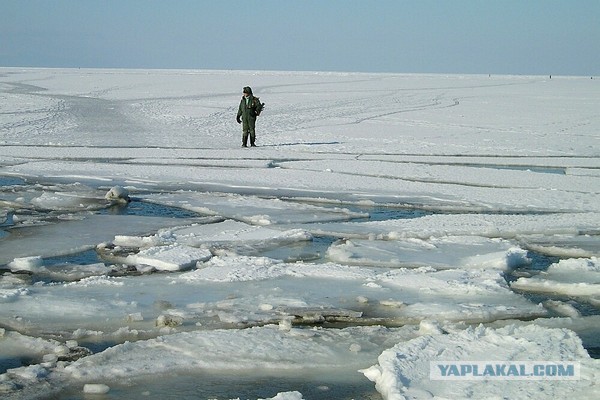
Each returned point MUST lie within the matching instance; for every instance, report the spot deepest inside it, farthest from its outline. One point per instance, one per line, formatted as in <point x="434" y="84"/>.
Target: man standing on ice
<point x="250" y="108"/>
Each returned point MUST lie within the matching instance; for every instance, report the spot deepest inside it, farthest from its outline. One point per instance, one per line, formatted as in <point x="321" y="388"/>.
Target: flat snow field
<point x="386" y="224"/>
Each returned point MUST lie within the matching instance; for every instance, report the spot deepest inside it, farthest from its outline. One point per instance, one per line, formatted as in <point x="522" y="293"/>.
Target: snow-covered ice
<point x="447" y="252"/>
<point x="384" y="221"/>
<point x="404" y="370"/>
<point x="575" y="278"/>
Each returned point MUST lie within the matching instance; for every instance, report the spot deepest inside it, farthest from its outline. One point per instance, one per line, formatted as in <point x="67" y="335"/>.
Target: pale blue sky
<point x="560" y="37"/>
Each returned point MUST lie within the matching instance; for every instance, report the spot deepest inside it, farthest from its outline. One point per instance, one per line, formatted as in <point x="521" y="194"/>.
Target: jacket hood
<point x="247" y="89"/>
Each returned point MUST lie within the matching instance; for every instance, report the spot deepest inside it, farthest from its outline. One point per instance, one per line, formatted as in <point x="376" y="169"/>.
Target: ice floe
<point x="404" y="371"/>
<point x="575" y="278"/>
<point x="254" y="210"/>
<point x="440" y="253"/>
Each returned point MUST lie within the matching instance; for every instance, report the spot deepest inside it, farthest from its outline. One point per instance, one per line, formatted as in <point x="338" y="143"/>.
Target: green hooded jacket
<point x="249" y="109"/>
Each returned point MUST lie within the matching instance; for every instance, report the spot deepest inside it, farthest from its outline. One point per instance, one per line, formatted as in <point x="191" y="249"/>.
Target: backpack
<point x="258" y="106"/>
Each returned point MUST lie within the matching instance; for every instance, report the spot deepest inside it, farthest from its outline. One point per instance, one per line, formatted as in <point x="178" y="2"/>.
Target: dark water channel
<point x="382" y="213"/>
<point x="242" y="385"/>
<point x="10" y="181"/>
<point x="145" y="209"/>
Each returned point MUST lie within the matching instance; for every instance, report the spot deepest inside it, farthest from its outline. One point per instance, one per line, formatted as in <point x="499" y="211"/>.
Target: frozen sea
<point x="384" y="222"/>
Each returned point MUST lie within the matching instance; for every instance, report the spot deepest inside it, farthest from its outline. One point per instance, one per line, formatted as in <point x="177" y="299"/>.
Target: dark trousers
<point x="248" y="129"/>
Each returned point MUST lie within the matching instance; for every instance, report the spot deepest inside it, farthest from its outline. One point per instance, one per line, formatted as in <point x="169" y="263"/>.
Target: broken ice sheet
<point x="573" y="245"/>
<point x="18" y="349"/>
<point x="269" y="348"/>
<point x="58" y="197"/>
<point x="72" y="236"/>
<point x="65" y="272"/>
<point x="403" y="371"/>
<point x="490" y="225"/>
<point x="172" y="257"/>
<point x="440" y="253"/>
<point x="227" y="233"/>
<point x="245" y="290"/>
<point x="576" y="278"/>
<point x="173" y="249"/>
<point x="383" y="296"/>
<point x="252" y="209"/>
